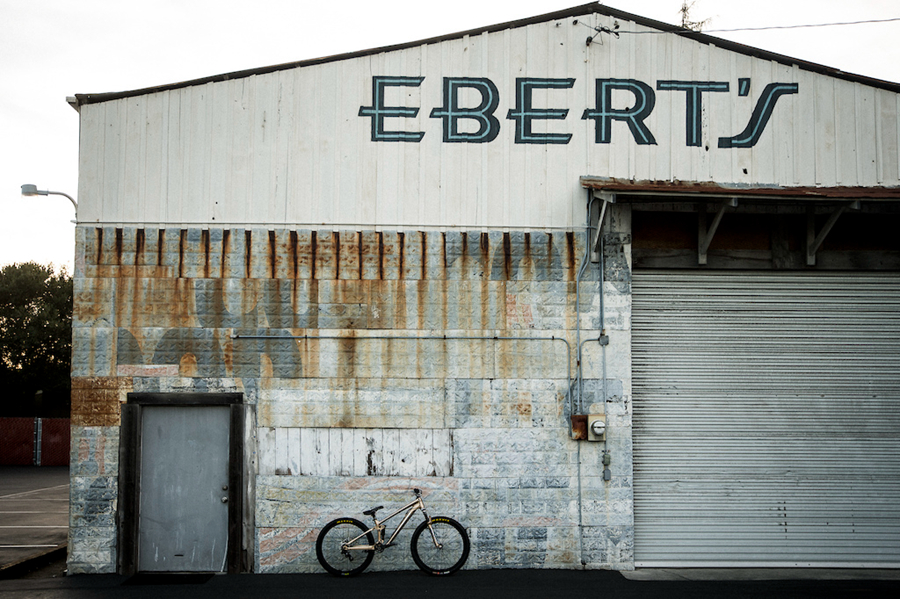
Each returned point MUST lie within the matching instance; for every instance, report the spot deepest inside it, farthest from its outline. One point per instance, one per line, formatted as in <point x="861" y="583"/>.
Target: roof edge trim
<point x="560" y="14"/>
<point x="592" y="7"/>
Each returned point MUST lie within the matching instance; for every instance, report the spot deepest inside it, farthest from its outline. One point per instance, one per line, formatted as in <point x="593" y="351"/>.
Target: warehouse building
<point x="302" y="291"/>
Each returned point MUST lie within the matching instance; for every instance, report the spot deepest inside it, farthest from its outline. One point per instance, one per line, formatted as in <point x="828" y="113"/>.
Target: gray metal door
<point x="766" y="419"/>
<point x="184" y="469"/>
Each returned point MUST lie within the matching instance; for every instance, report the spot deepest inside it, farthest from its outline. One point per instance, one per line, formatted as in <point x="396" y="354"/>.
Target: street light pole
<point x="31" y="190"/>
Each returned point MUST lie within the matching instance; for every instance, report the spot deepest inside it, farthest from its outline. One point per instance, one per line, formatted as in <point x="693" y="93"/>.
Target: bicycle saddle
<point x="372" y="511"/>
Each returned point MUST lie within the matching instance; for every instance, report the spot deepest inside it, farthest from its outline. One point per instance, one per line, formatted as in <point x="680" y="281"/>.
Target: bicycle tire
<point x="328" y="547"/>
<point x="444" y="560"/>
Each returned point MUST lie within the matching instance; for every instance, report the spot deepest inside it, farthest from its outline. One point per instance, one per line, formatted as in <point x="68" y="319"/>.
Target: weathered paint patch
<point x="356" y="452"/>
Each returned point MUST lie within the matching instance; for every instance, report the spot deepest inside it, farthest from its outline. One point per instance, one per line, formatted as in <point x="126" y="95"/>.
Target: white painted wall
<point x="289" y="147"/>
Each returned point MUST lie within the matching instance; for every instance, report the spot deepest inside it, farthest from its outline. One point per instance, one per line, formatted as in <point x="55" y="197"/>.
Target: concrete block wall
<point x="93" y="494"/>
<point x="378" y="372"/>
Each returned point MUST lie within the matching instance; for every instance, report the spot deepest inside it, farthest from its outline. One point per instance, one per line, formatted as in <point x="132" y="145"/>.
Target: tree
<point x="35" y="340"/>
<point x="686" y="21"/>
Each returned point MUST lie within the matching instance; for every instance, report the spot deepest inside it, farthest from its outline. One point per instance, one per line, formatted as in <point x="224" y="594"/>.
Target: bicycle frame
<point x="412" y="507"/>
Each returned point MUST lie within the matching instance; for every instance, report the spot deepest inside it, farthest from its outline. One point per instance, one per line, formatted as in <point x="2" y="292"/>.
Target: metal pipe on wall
<point x="579" y="384"/>
<point x="427" y="338"/>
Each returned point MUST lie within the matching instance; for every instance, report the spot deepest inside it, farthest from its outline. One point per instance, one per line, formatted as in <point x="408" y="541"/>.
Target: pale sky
<point x="50" y="49"/>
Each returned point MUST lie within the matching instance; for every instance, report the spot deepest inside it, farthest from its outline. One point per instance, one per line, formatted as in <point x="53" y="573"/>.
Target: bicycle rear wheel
<point x="335" y="558"/>
<point x="451" y="551"/>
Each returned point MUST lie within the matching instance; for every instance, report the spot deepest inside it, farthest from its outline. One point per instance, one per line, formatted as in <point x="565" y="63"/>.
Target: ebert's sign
<point x="603" y="113"/>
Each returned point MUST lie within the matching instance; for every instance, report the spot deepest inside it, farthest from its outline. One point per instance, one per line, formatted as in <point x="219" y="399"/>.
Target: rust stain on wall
<point x="312" y="255"/>
<point x="549" y="249"/>
<point x="226" y="250"/>
<point x="96" y="401"/>
<point x="422" y="298"/>
<point x="401" y="253"/>
<point x="526" y="264"/>
<point x="248" y="243"/>
<point x="380" y="255"/>
<point x="182" y="239"/>
<point x="339" y="281"/>
<point x="99" y="258"/>
<point x="139" y="243"/>
<point x="423" y="271"/>
<point x="204" y="241"/>
<point x="507" y="255"/>
<point x="336" y="245"/>
<point x="397" y="290"/>
<point x="159" y="246"/>
<point x="271" y="256"/>
<point x="294" y="241"/>
<point x="118" y="246"/>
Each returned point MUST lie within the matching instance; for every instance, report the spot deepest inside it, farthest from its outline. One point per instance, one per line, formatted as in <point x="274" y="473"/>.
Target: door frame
<point x="128" y="513"/>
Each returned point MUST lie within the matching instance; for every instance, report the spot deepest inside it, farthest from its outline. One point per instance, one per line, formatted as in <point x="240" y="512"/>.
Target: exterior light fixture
<point x="31" y="190"/>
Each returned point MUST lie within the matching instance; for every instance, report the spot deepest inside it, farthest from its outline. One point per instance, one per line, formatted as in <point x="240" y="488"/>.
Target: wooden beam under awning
<point x="701" y="194"/>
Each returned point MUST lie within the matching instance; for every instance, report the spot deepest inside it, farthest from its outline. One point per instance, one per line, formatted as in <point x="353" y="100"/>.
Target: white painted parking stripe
<point x="34" y="491"/>
<point x="33" y="499"/>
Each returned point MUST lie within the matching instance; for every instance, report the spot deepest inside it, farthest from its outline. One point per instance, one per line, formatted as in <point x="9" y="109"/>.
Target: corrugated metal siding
<point x="767" y="419"/>
<point x="290" y="147"/>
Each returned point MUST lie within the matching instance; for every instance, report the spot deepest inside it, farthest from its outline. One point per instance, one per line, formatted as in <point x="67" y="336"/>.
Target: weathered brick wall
<point x="371" y="400"/>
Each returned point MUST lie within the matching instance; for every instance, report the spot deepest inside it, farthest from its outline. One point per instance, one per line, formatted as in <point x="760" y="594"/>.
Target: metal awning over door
<point x="766" y="419"/>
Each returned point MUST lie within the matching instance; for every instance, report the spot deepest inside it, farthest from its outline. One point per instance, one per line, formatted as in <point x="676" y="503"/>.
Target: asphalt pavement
<point x="521" y="584"/>
<point x="34" y="512"/>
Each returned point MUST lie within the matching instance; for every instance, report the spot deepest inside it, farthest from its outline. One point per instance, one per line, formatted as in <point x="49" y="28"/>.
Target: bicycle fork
<point x="431" y="530"/>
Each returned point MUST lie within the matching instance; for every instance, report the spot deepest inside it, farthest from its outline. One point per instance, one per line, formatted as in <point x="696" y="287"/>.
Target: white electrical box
<point x="596" y="427"/>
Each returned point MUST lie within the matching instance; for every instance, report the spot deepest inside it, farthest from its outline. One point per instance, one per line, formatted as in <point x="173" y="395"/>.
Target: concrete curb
<point x="17" y="569"/>
<point x="758" y="574"/>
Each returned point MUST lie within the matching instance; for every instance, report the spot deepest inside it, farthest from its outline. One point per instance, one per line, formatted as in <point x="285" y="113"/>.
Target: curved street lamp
<point x="31" y="190"/>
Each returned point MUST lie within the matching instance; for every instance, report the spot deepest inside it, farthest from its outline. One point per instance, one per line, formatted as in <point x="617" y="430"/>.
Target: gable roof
<point x="590" y="8"/>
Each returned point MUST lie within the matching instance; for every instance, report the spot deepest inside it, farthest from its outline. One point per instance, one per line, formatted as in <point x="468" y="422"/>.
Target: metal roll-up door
<point x="766" y="419"/>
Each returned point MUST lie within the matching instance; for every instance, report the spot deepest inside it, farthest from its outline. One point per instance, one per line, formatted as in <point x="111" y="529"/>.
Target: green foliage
<point x="35" y="339"/>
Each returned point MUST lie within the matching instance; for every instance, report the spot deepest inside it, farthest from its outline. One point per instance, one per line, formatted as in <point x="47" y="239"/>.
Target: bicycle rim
<point x="331" y="554"/>
<point x="453" y="550"/>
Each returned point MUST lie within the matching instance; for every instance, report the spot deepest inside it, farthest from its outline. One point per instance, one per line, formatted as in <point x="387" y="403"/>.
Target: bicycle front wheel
<point x="445" y="551"/>
<point x="332" y="550"/>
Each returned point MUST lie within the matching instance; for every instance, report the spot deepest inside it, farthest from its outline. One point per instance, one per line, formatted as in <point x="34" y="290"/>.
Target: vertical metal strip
<point x="38" y="434"/>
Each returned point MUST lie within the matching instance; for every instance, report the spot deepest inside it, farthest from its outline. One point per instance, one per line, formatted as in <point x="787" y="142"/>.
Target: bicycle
<point x="345" y="547"/>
